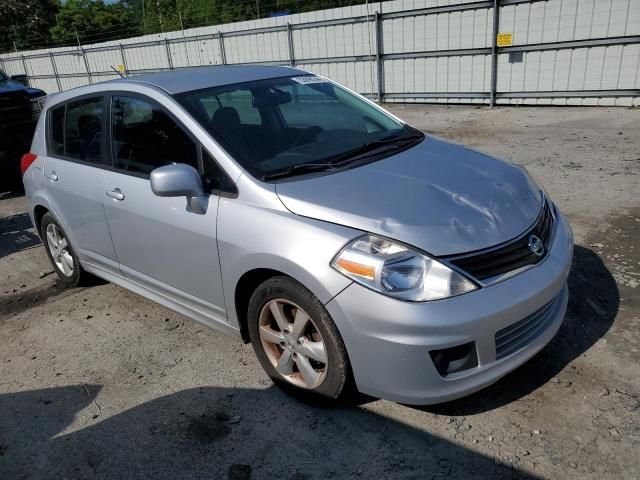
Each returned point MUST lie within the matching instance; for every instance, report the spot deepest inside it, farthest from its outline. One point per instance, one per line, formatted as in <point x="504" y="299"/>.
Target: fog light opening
<point x="455" y="359"/>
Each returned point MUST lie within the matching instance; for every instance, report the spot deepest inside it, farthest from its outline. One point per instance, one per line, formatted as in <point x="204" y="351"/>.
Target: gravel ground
<point x="98" y="382"/>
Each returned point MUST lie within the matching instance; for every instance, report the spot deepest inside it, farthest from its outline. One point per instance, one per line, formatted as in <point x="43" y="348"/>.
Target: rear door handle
<point x="116" y="194"/>
<point x="52" y="176"/>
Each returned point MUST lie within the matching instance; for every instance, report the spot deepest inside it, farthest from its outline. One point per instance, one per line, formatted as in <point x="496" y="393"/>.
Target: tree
<point x="26" y="22"/>
<point x="168" y="15"/>
<point x="41" y="23"/>
<point x="93" y="21"/>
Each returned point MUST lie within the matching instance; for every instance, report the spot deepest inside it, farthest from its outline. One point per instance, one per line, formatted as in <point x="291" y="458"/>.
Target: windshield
<point x="281" y="124"/>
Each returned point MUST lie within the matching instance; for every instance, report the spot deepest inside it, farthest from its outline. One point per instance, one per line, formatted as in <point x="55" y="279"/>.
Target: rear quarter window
<point x="56" y="125"/>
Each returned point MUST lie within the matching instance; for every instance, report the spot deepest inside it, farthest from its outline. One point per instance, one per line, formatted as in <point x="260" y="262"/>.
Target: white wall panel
<point x="12" y="65"/>
<point x="264" y="47"/>
<point x="148" y="57"/>
<point x="537" y="22"/>
<point x="73" y="82"/>
<point x="38" y="65"/>
<point x="358" y="76"/>
<point x="71" y="62"/>
<point x="102" y="61"/>
<point x="46" y="84"/>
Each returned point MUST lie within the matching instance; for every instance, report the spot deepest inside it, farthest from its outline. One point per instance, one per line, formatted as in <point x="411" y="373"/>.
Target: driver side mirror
<point x="180" y="180"/>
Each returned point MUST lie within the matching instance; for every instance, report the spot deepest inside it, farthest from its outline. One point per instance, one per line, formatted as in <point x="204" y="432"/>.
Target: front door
<point x="159" y="243"/>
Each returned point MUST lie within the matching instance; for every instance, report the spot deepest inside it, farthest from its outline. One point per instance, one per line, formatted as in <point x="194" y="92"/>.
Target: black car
<point x="20" y="108"/>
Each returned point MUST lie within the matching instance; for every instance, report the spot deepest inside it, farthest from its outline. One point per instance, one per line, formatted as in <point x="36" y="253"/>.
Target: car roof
<point x="197" y="78"/>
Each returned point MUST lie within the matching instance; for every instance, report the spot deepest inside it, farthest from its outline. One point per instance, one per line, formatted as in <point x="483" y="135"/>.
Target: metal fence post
<point x="494" y="53"/>
<point x="379" y="59"/>
<point x="55" y="71"/>
<point x="292" y="57"/>
<point x="86" y="65"/>
<point x="166" y="44"/>
<point x="223" y="55"/>
<point x="24" y="66"/>
<point x="124" y="60"/>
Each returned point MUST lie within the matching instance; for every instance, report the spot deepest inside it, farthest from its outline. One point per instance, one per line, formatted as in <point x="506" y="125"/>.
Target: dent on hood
<point x="439" y="197"/>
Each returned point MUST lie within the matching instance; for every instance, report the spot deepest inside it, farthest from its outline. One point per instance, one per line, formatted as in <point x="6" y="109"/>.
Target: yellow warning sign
<point x="121" y="68"/>
<point x="504" y="40"/>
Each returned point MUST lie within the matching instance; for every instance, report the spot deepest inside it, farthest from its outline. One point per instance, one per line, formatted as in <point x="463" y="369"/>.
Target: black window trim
<point x="186" y="131"/>
<point x="155" y="103"/>
<point x="107" y="161"/>
<point x="233" y="193"/>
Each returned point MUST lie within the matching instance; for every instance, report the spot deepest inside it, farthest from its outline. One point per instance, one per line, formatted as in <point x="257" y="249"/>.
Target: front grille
<point x="510" y="256"/>
<point x="523" y="332"/>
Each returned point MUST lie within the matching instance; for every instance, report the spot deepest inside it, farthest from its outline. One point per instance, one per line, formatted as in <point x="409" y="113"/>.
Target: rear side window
<point x="145" y="137"/>
<point x="56" y="123"/>
<point x="83" y="130"/>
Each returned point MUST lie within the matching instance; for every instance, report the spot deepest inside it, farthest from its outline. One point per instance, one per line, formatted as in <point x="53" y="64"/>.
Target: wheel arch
<point x="39" y="212"/>
<point x="244" y="289"/>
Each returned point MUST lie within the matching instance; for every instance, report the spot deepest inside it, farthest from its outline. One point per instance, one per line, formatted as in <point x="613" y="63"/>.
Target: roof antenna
<point x="117" y="71"/>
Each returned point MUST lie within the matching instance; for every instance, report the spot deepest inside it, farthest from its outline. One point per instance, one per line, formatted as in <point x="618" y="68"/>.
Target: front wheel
<point x="296" y="341"/>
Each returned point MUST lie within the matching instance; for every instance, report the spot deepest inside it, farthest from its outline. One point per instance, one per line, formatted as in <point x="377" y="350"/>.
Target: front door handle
<point x="52" y="176"/>
<point x="116" y="194"/>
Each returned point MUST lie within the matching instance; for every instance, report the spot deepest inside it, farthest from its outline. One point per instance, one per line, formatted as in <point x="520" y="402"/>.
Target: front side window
<point x="281" y="126"/>
<point x="82" y="130"/>
<point x="145" y="137"/>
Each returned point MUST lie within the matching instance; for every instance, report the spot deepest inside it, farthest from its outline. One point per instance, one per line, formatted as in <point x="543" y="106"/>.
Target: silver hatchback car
<point x="272" y="204"/>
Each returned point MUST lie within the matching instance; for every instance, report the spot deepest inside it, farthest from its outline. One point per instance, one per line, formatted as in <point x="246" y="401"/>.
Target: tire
<point x="271" y="342"/>
<point x="77" y="276"/>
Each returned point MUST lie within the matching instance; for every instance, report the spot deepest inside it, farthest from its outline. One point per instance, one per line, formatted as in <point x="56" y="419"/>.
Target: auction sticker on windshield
<point x="309" y="79"/>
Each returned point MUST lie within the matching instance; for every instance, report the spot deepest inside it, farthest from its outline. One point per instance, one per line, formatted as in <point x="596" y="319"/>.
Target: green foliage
<point x="26" y="22"/>
<point x="169" y="15"/>
<point x="41" y="23"/>
<point x="93" y="21"/>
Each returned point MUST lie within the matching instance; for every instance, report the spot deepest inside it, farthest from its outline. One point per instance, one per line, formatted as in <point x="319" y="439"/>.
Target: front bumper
<point x="388" y="340"/>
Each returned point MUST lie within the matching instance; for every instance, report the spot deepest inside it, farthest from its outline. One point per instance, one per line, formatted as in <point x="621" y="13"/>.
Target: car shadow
<point x="594" y="300"/>
<point x="17" y="234"/>
<point x="219" y="433"/>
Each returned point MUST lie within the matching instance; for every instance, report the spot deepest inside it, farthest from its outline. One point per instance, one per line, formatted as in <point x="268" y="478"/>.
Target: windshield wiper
<point x="398" y="140"/>
<point x="300" y="168"/>
<point x="395" y="141"/>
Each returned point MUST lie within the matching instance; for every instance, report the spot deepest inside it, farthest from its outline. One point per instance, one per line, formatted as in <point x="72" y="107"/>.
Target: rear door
<point x="160" y="244"/>
<point x="76" y="157"/>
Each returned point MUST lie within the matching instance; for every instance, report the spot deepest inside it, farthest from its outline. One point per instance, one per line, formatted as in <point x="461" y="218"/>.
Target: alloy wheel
<point x="293" y="344"/>
<point x="59" y="249"/>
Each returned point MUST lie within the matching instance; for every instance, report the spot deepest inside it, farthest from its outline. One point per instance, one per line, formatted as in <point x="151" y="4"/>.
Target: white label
<point x="308" y="79"/>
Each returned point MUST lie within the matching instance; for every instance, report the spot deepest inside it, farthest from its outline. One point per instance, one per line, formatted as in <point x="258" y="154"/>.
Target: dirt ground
<point x="99" y="383"/>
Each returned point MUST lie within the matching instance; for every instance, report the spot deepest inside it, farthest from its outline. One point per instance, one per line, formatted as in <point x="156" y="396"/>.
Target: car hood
<point x="438" y="196"/>
<point x="11" y="86"/>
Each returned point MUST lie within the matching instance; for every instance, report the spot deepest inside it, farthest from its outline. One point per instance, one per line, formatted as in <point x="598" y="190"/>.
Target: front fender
<point x="252" y="237"/>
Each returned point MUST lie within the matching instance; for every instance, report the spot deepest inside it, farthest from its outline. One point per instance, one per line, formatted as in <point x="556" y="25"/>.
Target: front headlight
<point x="399" y="271"/>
